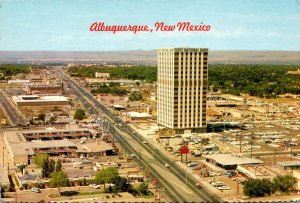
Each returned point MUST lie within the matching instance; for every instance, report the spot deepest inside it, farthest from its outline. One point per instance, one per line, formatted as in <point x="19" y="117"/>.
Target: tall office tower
<point x="182" y="89"/>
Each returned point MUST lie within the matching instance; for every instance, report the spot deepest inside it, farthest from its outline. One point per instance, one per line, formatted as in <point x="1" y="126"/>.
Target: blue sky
<point x="63" y="25"/>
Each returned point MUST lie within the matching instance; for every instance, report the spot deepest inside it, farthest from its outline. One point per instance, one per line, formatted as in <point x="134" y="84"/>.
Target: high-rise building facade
<point x="182" y="89"/>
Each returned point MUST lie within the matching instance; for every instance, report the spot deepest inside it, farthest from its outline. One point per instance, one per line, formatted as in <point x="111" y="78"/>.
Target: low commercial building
<point x="19" y="82"/>
<point x="104" y="76"/>
<point x="23" y="145"/>
<point x="48" y="134"/>
<point x="138" y="116"/>
<point x="33" y="105"/>
<point x="215" y="98"/>
<point x="296" y="174"/>
<point x="230" y="161"/>
<point x="94" y="148"/>
<point x="289" y="165"/>
<point x="35" y="100"/>
<point x="45" y="89"/>
<point x="261" y="171"/>
<point x="240" y="114"/>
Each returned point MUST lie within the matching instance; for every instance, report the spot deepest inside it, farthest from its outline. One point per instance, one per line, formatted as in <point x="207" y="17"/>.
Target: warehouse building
<point x="230" y="161"/>
<point x="35" y="100"/>
<point x="23" y="145"/>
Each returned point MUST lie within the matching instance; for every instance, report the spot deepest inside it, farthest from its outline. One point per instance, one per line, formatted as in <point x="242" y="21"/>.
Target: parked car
<point x="35" y="189"/>
<point x="224" y="187"/>
<point x="94" y="186"/>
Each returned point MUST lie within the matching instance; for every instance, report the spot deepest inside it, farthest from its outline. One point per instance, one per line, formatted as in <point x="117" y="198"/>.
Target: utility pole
<point x="275" y="156"/>
<point x="240" y="143"/>
<point x="186" y="159"/>
<point x="3" y="156"/>
<point x="140" y="158"/>
<point x="251" y="145"/>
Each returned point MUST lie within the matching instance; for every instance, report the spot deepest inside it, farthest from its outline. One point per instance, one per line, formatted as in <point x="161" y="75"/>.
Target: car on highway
<point x="35" y="189"/>
<point x="132" y="155"/>
<point x="191" y="164"/>
<point x="224" y="187"/>
<point x="167" y="165"/>
<point x="94" y="186"/>
<point x="145" y="142"/>
<point x="198" y="185"/>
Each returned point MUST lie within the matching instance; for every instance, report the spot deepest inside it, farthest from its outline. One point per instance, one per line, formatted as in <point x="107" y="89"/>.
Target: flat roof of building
<point x="29" y="147"/>
<point x="36" y="98"/>
<point x="93" y="146"/>
<point x="288" y="163"/>
<point x="230" y="159"/>
<point x="184" y="49"/>
<point x="138" y="115"/>
<point x="18" y="136"/>
<point x="261" y="171"/>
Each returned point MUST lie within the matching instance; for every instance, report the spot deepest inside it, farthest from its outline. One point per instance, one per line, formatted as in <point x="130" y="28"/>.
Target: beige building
<point x="104" y="76"/>
<point x="182" y="89"/>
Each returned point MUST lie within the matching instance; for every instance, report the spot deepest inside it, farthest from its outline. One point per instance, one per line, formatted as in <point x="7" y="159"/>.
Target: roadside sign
<point x="184" y="150"/>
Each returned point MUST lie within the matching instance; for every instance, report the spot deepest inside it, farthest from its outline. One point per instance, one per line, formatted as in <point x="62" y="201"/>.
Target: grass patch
<point x="90" y="193"/>
<point x="146" y="196"/>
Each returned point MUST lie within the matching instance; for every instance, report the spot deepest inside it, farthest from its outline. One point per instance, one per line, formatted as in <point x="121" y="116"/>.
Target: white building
<point x="182" y="89"/>
<point x="35" y="100"/>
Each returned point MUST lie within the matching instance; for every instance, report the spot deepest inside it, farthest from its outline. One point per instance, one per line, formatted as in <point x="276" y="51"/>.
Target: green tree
<point x="41" y="117"/>
<point x="143" y="189"/>
<point x="21" y="167"/>
<point x="39" y="159"/>
<point x="135" y="97"/>
<point x="107" y="175"/>
<point x="284" y="183"/>
<point x="258" y="188"/>
<point x="58" y="165"/>
<point x="51" y="167"/>
<point x="79" y="114"/>
<point x="52" y="119"/>
<point x="59" y="179"/>
<point x="48" y="166"/>
<point x="45" y="168"/>
<point x="121" y="185"/>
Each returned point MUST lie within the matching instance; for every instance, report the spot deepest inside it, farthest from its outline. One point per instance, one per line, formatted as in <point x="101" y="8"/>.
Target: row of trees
<point x="47" y="165"/>
<point x="105" y="89"/>
<point x="13" y="69"/>
<point x="256" y="80"/>
<point x="135" y="97"/>
<point x="111" y="175"/>
<point x="139" y="72"/>
<point x="260" y="188"/>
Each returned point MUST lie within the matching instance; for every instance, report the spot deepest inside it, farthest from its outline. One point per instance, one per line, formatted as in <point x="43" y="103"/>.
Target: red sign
<point x="154" y="181"/>
<point x="184" y="150"/>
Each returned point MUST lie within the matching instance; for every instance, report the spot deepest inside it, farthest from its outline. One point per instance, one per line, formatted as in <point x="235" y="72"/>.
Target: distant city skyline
<point x="53" y="25"/>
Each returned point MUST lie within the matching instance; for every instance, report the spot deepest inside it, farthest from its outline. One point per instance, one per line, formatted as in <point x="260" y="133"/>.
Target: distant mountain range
<point x="145" y="57"/>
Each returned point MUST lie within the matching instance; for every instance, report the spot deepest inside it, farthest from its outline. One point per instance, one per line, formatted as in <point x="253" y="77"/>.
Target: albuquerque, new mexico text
<point x="159" y="26"/>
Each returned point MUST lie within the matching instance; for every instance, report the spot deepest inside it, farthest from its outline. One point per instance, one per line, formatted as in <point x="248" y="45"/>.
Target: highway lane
<point x="172" y="183"/>
<point x="149" y="158"/>
<point x="11" y="112"/>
